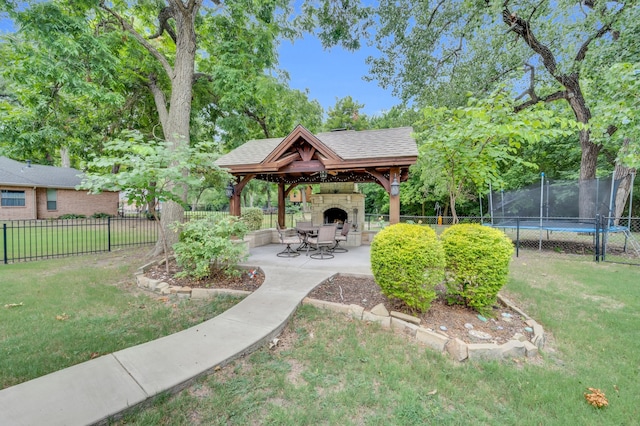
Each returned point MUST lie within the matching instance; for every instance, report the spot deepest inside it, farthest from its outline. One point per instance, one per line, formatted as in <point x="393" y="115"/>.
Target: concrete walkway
<point x="95" y="390"/>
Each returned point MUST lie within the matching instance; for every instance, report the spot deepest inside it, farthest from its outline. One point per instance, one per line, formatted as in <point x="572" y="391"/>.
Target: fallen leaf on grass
<point x="596" y="398"/>
<point x="433" y="392"/>
<point x="13" y="305"/>
<point x="94" y="355"/>
<point x="62" y="317"/>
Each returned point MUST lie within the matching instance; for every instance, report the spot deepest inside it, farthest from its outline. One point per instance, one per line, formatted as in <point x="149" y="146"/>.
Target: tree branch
<point x="582" y="52"/>
<point x="202" y="76"/>
<point x="260" y="120"/>
<point x="164" y="15"/>
<point x="433" y="13"/>
<point x="129" y="28"/>
<point x="522" y="28"/>
<point x="531" y="89"/>
<point x="160" y="100"/>
<point x="561" y="94"/>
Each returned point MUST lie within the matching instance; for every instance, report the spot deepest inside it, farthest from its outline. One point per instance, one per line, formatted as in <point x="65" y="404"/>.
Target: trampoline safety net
<point x="554" y="199"/>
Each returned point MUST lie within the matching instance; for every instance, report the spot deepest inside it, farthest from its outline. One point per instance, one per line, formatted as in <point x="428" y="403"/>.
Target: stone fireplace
<point x="340" y="203"/>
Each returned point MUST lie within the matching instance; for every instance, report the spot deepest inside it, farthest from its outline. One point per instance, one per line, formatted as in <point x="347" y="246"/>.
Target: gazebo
<point x="380" y="156"/>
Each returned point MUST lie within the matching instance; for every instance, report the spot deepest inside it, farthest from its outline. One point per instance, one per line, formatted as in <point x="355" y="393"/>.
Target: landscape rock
<point x="530" y="350"/>
<point x="457" y="349"/>
<point x="405" y="317"/>
<point x="405" y="327"/>
<point x="356" y="311"/>
<point x="485" y="351"/>
<point x="432" y="339"/>
<point x="385" y="322"/>
<point x="513" y="348"/>
<point x="380" y="310"/>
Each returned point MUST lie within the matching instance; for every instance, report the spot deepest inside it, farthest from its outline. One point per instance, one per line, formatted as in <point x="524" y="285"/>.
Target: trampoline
<point x="553" y="206"/>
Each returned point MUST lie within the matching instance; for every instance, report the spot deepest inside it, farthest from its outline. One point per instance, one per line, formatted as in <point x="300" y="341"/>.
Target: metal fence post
<point x="109" y="233"/>
<point x="4" y="243"/>
<point x="597" y="242"/>
<point x="518" y="236"/>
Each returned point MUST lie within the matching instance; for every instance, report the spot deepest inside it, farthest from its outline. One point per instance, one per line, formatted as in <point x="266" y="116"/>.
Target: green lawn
<point x="328" y="369"/>
<point x="71" y="309"/>
<point x="26" y="240"/>
<point x="331" y="370"/>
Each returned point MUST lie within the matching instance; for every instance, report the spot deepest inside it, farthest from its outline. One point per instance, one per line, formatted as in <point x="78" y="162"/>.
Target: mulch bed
<point x="365" y="292"/>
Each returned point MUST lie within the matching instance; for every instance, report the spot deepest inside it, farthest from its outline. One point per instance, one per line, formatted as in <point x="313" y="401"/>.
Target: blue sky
<point x="333" y="74"/>
<point x="327" y="74"/>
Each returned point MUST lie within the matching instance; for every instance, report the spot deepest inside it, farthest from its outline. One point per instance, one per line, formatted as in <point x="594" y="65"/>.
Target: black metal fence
<point x="25" y="240"/>
<point x="601" y="238"/>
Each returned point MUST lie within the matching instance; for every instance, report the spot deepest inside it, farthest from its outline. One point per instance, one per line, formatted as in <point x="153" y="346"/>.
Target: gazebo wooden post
<point x="394" y="200"/>
<point x="281" y="210"/>
<point x="235" y="208"/>
<point x="234" y="204"/>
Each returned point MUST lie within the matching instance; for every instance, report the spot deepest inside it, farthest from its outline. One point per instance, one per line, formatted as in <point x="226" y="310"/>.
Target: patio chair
<point x="323" y="242"/>
<point x="342" y="236"/>
<point x="287" y="240"/>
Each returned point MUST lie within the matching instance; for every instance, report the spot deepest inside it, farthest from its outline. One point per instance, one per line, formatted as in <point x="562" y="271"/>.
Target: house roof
<point x="16" y="173"/>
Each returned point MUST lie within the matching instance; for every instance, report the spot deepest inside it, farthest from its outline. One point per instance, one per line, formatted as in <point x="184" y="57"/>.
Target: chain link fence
<point x="602" y="239"/>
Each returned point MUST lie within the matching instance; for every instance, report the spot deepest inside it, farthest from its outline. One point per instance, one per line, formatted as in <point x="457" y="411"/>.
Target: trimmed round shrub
<point x="252" y="217"/>
<point x="407" y="263"/>
<point x="477" y="264"/>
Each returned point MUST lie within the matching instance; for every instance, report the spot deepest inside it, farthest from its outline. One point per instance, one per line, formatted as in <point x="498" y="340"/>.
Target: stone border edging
<point x="518" y="346"/>
<point x="183" y="292"/>
<point x="409" y="325"/>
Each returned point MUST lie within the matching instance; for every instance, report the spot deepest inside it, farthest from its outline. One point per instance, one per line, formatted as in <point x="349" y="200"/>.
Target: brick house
<point x="32" y="191"/>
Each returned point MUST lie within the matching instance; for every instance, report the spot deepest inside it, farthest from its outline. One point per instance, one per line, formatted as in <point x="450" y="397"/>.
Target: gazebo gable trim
<point x="281" y="156"/>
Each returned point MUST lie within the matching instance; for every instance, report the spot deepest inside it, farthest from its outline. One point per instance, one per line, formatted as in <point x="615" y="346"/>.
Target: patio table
<point x="305" y="232"/>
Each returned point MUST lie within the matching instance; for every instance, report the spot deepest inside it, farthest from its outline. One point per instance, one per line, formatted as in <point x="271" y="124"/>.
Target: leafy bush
<point x="477" y="264"/>
<point x="206" y="245"/>
<point x="252" y="217"/>
<point x="100" y="215"/>
<point x="408" y="262"/>
<point x="72" y="216"/>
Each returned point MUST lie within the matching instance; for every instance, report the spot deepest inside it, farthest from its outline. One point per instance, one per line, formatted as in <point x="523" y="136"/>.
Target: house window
<point x="52" y="199"/>
<point x="10" y="198"/>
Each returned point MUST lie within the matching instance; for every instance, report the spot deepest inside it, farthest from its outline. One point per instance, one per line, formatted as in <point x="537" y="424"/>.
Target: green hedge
<point x="408" y="262"/>
<point x="477" y="259"/>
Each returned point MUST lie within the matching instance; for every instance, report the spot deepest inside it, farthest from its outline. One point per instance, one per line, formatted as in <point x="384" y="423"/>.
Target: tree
<point x="160" y="47"/>
<point x="397" y="116"/>
<point x="61" y="76"/>
<point x="151" y="172"/>
<point x="465" y="146"/>
<point x="440" y="48"/>
<point x="346" y="115"/>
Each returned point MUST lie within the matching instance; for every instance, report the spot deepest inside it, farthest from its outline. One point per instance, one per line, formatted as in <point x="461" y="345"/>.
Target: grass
<point x="31" y="239"/>
<point x="73" y="309"/>
<point x="331" y="370"/>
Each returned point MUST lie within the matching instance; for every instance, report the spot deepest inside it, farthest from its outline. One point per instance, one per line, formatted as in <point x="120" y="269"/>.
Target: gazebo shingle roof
<point x="347" y="144"/>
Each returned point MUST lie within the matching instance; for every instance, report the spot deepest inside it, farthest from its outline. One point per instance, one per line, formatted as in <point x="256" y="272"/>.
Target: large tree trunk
<point x="177" y="126"/>
<point x="65" y="158"/>
<point x="625" y="176"/>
